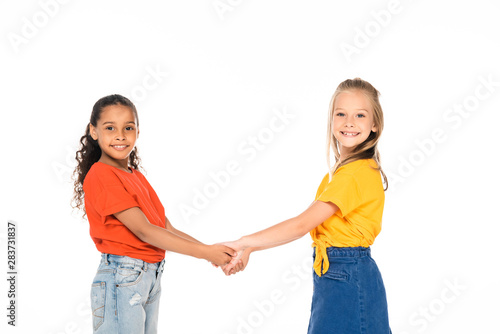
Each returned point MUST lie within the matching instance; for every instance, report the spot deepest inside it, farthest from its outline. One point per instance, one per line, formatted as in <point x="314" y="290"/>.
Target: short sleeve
<point x="343" y="191"/>
<point x="113" y="199"/>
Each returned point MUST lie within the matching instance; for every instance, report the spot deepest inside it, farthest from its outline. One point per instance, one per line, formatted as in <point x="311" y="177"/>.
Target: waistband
<point x="348" y="251"/>
<point x="110" y="258"/>
<point x="322" y="254"/>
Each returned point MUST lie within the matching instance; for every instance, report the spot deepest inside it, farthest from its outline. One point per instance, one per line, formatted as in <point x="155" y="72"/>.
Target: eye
<point x="109" y="128"/>
<point x="340" y="114"/>
<point x="360" y="115"/>
<point x="130" y="128"/>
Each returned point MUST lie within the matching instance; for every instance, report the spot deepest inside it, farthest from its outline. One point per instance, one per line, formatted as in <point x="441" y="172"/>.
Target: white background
<point x="222" y="73"/>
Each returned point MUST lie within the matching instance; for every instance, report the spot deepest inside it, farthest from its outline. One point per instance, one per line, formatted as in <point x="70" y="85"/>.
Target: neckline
<point x="130" y="169"/>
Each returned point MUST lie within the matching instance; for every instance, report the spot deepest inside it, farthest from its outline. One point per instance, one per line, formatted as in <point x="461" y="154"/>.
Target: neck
<point x="344" y="153"/>
<point x="122" y="164"/>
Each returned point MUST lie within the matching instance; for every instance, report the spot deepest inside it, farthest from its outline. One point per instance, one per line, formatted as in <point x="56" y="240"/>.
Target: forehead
<point x="353" y="100"/>
<point x="117" y="113"/>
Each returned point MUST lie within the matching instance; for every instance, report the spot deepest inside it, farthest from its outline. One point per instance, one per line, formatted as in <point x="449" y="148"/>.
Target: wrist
<point x="200" y="251"/>
<point x="244" y="243"/>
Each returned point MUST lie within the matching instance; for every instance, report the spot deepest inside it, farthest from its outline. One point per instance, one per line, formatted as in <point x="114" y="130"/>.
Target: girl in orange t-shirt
<point x="349" y="295"/>
<point x="127" y="223"/>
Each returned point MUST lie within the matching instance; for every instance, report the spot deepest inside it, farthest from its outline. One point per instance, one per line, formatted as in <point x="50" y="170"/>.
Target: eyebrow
<point x="109" y="122"/>
<point x="355" y="109"/>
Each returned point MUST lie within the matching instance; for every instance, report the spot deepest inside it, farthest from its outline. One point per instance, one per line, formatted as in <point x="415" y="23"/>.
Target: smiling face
<point x="352" y="120"/>
<point x="116" y="133"/>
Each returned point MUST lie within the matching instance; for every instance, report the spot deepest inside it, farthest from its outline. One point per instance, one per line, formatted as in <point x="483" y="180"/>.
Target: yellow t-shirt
<point x="357" y="189"/>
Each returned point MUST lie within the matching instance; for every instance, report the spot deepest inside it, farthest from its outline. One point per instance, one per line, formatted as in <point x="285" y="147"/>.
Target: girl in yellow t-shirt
<point x="349" y="294"/>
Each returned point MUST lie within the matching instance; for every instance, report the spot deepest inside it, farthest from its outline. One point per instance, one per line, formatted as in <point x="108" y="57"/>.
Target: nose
<point x="120" y="135"/>
<point x="349" y="122"/>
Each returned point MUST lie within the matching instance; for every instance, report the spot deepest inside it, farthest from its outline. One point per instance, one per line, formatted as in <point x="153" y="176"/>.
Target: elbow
<point x="302" y="233"/>
<point x="301" y="228"/>
<point x="143" y="234"/>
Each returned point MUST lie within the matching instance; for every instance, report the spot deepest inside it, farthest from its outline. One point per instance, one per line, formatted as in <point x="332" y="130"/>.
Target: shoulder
<point x="325" y="180"/>
<point x="139" y="175"/>
<point x="101" y="174"/>
<point x="361" y="171"/>
<point x="365" y="174"/>
<point x="362" y="168"/>
<point x="356" y="167"/>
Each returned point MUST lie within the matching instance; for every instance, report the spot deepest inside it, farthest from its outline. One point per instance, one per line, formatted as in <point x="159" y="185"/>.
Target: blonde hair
<point x="368" y="148"/>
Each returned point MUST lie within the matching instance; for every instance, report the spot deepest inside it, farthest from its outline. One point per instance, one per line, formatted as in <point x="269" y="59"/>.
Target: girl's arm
<point x="135" y="220"/>
<point x="290" y="229"/>
<point x="281" y="233"/>
<point x="169" y="227"/>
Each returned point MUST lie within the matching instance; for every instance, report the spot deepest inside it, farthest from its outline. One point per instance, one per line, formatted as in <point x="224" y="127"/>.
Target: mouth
<point x="119" y="147"/>
<point x="349" y="134"/>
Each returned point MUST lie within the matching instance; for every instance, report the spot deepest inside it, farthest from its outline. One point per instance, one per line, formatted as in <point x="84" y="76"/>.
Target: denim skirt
<point x="350" y="297"/>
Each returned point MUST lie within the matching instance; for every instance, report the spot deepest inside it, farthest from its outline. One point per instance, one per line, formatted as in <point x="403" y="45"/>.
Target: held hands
<point x="238" y="262"/>
<point x="230" y="256"/>
<point x="220" y="255"/>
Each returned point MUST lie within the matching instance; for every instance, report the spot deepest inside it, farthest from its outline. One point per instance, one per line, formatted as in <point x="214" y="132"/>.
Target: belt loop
<point x="105" y="256"/>
<point x="144" y="265"/>
<point x="160" y="266"/>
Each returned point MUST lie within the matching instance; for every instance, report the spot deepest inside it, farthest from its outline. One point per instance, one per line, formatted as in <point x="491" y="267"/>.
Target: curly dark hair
<point x="90" y="152"/>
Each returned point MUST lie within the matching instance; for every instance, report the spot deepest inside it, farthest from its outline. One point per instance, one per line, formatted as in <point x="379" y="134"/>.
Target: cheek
<point x="369" y="124"/>
<point x="336" y="124"/>
<point x="372" y="123"/>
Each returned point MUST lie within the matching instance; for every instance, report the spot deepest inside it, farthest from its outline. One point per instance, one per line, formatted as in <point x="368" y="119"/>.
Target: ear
<point x="374" y="128"/>
<point x="93" y="132"/>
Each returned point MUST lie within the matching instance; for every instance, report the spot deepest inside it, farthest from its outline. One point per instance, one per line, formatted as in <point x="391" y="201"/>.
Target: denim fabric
<point x="125" y="295"/>
<point x="350" y="297"/>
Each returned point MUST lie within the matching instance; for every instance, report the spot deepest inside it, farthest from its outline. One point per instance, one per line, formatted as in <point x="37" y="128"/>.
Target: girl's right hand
<point x="219" y="255"/>
<point x="239" y="261"/>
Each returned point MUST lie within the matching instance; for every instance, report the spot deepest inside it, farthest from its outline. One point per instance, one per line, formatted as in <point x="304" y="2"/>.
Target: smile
<point x="349" y="134"/>
<point x="119" y="147"/>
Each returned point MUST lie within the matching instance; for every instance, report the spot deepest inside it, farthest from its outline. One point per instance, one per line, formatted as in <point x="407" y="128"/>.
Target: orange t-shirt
<point x="109" y="190"/>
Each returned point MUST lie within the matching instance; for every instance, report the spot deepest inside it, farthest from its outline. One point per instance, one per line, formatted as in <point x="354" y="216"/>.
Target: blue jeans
<point x="350" y="297"/>
<point x="125" y="295"/>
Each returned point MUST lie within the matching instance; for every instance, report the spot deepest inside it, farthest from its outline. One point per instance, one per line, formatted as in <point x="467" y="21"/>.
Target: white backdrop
<point x="245" y="86"/>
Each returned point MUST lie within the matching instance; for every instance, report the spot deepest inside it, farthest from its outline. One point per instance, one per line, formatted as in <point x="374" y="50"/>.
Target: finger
<point x="230" y="251"/>
<point x="229" y="267"/>
<point x="239" y="267"/>
<point x="227" y="271"/>
<point x="236" y="269"/>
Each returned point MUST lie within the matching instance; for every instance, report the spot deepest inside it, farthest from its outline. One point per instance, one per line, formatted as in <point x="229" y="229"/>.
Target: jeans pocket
<point x="337" y="275"/>
<point x="98" y="299"/>
<point x="126" y="276"/>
